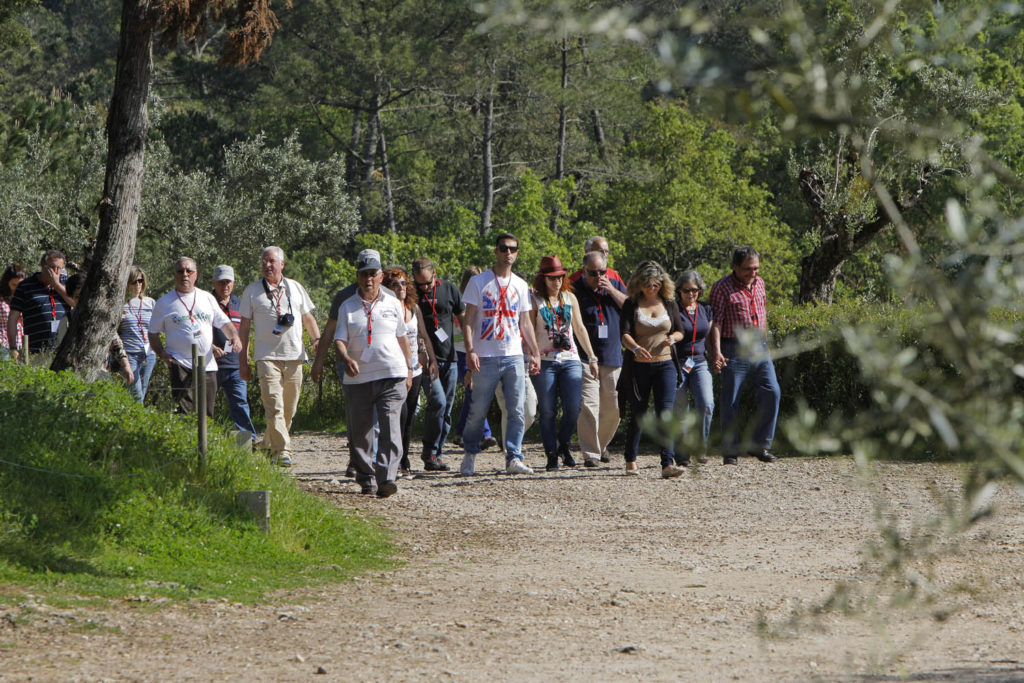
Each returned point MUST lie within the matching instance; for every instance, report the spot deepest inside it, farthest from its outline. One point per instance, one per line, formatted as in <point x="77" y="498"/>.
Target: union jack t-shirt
<point x="499" y="302"/>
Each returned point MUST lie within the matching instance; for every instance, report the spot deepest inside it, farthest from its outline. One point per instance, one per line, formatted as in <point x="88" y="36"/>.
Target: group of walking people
<point x="587" y="345"/>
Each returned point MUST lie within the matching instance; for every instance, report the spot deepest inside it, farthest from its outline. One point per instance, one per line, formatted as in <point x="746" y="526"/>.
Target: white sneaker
<point x="466" y="468"/>
<point x="517" y="466"/>
<point x="283" y="460"/>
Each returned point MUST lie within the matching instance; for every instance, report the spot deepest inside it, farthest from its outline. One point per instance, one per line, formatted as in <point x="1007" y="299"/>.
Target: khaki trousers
<point x="280" y="386"/>
<point x="599" y="414"/>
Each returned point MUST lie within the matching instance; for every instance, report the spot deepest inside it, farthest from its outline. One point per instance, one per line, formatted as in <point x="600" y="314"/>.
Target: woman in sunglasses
<point x="398" y="282"/>
<point x="696" y="318"/>
<point x="133" y="330"/>
<point x="557" y="325"/>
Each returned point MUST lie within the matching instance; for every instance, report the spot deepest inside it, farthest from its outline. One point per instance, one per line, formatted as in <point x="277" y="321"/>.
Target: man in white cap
<point x="272" y="308"/>
<point x="236" y="389"/>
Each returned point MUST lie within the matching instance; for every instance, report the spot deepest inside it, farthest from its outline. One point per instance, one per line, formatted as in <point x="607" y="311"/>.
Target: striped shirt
<point x="135" y="320"/>
<point x="42" y="309"/>
<point x="735" y="307"/>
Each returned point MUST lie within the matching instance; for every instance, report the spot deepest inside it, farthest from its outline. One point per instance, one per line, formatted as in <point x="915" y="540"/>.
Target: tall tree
<point x="99" y="310"/>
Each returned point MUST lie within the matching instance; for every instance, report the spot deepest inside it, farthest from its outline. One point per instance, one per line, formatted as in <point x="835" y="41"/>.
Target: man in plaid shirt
<point x="739" y="304"/>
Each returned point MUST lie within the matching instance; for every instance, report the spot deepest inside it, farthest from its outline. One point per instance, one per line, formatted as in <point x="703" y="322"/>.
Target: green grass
<point x="101" y="497"/>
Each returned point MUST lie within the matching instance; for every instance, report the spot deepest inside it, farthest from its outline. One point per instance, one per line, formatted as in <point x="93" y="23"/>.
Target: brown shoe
<point x="671" y="472"/>
<point x="631" y="468"/>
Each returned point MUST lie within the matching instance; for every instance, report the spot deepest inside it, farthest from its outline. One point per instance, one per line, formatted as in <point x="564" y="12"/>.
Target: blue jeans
<point x="142" y="365"/>
<point x="698" y="381"/>
<point x="511" y="372"/>
<point x="236" y="390"/>
<point x="467" y="400"/>
<point x="661" y="378"/>
<point x="438" y="419"/>
<point x="761" y="371"/>
<point x="558" y="380"/>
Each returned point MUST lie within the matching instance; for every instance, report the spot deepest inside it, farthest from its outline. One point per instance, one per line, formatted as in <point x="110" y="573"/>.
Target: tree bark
<point x="389" y="200"/>
<point x="99" y="310"/>
<point x="486" y="154"/>
<point x="563" y="113"/>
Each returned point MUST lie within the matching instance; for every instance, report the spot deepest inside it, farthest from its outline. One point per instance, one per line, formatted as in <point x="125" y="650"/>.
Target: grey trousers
<point x="385" y="398"/>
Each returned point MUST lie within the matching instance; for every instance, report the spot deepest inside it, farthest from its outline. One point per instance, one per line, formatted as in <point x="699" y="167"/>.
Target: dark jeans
<point x="236" y="391"/>
<point x="661" y="378"/>
<point x="409" y="412"/>
<point x="758" y="370"/>
<point x="440" y="398"/>
<point x="558" y="381"/>
<point x="181" y="389"/>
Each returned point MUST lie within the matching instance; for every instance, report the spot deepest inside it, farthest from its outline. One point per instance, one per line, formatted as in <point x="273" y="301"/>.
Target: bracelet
<point x="635" y="348"/>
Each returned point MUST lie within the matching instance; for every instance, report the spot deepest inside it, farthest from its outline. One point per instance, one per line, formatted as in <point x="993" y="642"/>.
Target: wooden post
<point x="199" y="402"/>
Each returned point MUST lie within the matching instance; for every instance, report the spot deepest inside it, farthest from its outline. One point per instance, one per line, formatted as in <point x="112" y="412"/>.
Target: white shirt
<point x="185" y="319"/>
<point x="263" y="312"/>
<point x="383" y="357"/>
<point x="499" y="302"/>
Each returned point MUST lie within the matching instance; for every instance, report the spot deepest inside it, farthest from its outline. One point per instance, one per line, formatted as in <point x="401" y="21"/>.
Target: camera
<point x="560" y="340"/>
<point x="286" y="320"/>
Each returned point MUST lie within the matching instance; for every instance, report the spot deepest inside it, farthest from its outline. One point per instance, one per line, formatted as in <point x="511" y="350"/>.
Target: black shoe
<point x="591" y="463"/>
<point x="606" y="458"/>
<point x="552" y="462"/>
<point x="683" y="462"/>
<point x="388" y="488"/>
<point x="567" y="458"/>
<point x="763" y="455"/>
<point x="435" y="465"/>
<point x="730" y="460"/>
<point x="350" y="471"/>
<point x="488" y="442"/>
<point x="405" y="464"/>
<point x="368" y="490"/>
<point x="457" y="440"/>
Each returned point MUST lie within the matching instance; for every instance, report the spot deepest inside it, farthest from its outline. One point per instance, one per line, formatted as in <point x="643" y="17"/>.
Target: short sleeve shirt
<point x="597" y="309"/>
<point x="229" y="361"/>
<point x="342" y="295"/>
<point x="270" y="340"/>
<point x="499" y="303"/>
<point x="184" y="319"/>
<point x="695" y="331"/>
<point x="41" y="309"/>
<point x="439" y="306"/>
<point x="735" y="307"/>
<point x="371" y="331"/>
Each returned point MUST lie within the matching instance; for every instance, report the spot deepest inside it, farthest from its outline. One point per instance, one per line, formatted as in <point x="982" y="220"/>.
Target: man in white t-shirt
<point x="497" y="328"/>
<point x="185" y="316"/>
<point x="372" y="346"/>
<point x="275" y="309"/>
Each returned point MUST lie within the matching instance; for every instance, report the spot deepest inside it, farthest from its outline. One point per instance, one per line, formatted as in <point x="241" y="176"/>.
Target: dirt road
<point x="588" y="575"/>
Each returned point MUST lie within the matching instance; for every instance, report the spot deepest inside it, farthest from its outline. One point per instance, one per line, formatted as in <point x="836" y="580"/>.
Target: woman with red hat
<point x="558" y="326"/>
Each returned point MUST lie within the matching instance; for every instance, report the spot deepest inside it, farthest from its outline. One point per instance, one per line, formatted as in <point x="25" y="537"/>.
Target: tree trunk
<point x="99" y="310"/>
<point x="352" y="162"/>
<point x="819" y="271"/>
<point x="389" y="200"/>
<point x="488" y="162"/>
<point x="595" y="114"/>
<point x="563" y="113"/>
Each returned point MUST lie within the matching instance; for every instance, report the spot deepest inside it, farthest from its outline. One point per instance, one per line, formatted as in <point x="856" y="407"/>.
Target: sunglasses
<point x="690" y="291"/>
<point x="139" y="281"/>
<point x="554" y="277"/>
<point x="184" y="271"/>
<point x="508" y="248"/>
<point x="597" y="273"/>
<point x="398" y="283"/>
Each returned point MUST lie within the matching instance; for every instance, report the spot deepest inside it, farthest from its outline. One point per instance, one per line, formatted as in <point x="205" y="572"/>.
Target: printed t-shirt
<point x="184" y="318"/>
<point x="499" y="303"/>
<point x="263" y="311"/>
<point x="550" y="320"/>
<point x="371" y="330"/>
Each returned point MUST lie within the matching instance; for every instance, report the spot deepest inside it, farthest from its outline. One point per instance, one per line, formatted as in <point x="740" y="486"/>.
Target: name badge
<point x="602" y="331"/>
<point x="54" y="324"/>
<point x="277" y="330"/>
<point x="195" y="330"/>
<point x="368" y="355"/>
<point x="353" y="318"/>
<point x="688" y="365"/>
<point x="441" y="335"/>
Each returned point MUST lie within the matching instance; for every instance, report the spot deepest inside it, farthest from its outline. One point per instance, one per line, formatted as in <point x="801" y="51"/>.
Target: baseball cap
<point x="369" y="259"/>
<point x="223" y="273"/>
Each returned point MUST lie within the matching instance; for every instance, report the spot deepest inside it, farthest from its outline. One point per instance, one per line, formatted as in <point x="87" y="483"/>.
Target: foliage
<point x="99" y="494"/>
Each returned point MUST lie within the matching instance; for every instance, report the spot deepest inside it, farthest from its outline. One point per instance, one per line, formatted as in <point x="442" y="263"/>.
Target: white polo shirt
<point x="371" y="330"/>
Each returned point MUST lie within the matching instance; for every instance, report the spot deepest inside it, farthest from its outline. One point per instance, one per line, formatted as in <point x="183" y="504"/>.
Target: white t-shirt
<point x="383" y="357"/>
<point x="184" y="319"/>
<point x="263" y="312"/>
<point x="499" y="303"/>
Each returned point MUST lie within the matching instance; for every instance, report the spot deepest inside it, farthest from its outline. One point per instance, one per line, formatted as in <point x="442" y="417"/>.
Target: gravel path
<point x="588" y="574"/>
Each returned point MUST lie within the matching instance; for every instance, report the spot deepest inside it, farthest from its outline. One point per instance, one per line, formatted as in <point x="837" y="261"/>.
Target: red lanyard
<point x="138" y="316"/>
<point x="600" y="307"/>
<point x="189" y="310"/>
<point x="369" y="319"/>
<point x="693" y="343"/>
<point x="555" y="311"/>
<point x="502" y="304"/>
<point x="278" y="296"/>
<point x="753" y="304"/>
<point x="432" y="301"/>
<point x="53" y="303"/>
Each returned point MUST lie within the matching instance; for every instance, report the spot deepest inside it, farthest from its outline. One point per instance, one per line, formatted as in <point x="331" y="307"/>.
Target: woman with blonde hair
<point x="133" y="330"/>
<point x="650" y="327"/>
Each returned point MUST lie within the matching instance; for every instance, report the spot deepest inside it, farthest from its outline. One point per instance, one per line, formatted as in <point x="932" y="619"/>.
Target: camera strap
<point x="277" y="300"/>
